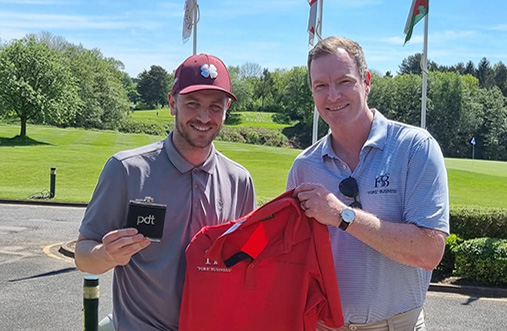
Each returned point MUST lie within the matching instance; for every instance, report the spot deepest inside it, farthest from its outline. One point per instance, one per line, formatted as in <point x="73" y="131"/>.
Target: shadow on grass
<point x="20" y="141"/>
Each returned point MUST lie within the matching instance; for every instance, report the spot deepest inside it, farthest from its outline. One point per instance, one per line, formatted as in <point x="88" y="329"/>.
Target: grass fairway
<point x="79" y="156"/>
<point x="477" y="182"/>
<point x="162" y="115"/>
<point x="246" y="119"/>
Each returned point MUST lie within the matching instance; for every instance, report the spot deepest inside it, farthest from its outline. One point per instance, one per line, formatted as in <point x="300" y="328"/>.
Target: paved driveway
<point x="40" y="289"/>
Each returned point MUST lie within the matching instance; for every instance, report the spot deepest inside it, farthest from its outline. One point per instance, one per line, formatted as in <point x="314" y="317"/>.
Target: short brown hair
<point x="330" y="45"/>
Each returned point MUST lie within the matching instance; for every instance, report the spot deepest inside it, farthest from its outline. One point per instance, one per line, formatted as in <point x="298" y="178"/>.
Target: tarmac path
<point x="40" y="288"/>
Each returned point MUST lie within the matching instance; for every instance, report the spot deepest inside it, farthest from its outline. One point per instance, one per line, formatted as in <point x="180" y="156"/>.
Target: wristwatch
<point x="348" y="215"/>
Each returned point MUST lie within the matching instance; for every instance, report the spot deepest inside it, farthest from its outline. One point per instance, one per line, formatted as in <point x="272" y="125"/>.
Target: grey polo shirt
<point x="147" y="291"/>
<point x="402" y="178"/>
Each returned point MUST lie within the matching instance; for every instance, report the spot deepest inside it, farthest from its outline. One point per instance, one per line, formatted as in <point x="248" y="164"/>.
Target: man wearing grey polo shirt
<point x="199" y="185"/>
<point x="380" y="186"/>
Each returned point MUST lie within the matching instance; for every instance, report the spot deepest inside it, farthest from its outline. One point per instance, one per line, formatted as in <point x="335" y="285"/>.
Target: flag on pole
<point x="418" y="10"/>
<point x="188" y="19"/>
<point x="472" y="141"/>
<point x="312" y="21"/>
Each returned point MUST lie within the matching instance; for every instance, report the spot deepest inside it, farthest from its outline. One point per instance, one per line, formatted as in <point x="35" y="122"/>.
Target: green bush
<point x="482" y="260"/>
<point x="231" y="135"/>
<point x="470" y="223"/>
<point x="145" y="126"/>
<point x="254" y="136"/>
<point x="446" y="266"/>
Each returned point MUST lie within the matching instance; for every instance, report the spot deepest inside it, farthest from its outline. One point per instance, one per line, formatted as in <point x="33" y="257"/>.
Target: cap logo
<point x="209" y="70"/>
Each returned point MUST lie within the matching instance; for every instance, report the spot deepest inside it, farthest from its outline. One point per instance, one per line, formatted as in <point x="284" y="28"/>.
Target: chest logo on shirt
<point x="382" y="181"/>
<point x="212" y="266"/>
<point x="382" y="186"/>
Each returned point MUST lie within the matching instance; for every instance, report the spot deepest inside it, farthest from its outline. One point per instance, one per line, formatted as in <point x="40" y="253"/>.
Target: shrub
<point x="446" y="266"/>
<point x="483" y="260"/>
<point x="255" y="136"/>
<point x="231" y="134"/>
<point x="470" y="223"/>
<point x="145" y="126"/>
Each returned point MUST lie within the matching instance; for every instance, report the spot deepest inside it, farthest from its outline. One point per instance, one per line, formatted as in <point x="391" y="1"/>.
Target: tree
<point x="447" y="121"/>
<point x="485" y="73"/>
<point x="241" y="89"/>
<point x="264" y="87"/>
<point x="250" y="69"/>
<point x="501" y="77"/>
<point x="382" y="95"/>
<point x="298" y="106"/>
<point x="131" y="88"/>
<point x="153" y="86"/>
<point x="412" y="65"/>
<point x="460" y="68"/>
<point x="492" y="133"/>
<point x="470" y="69"/>
<point x="100" y="87"/>
<point x="36" y="84"/>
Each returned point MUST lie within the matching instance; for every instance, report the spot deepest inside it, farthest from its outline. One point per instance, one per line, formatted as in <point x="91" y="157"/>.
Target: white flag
<point x="312" y="20"/>
<point x="472" y="141"/>
<point x="188" y="19"/>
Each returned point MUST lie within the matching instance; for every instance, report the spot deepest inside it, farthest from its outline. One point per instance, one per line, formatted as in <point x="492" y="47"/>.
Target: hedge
<point x="483" y="260"/>
<point x="469" y="223"/>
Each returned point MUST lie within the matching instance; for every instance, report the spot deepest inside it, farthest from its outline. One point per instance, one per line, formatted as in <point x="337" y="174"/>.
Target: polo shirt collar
<point x="376" y="139"/>
<point x="295" y="231"/>
<point x="183" y="165"/>
<point x="378" y="133"/>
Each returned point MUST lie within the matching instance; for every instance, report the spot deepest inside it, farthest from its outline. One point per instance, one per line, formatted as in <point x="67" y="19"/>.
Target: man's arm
<point x="404" y="243"/>
<point x="116" y="248"/>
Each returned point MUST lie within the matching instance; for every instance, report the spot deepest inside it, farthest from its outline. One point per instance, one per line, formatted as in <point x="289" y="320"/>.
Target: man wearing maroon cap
<point x="199" y="185"/>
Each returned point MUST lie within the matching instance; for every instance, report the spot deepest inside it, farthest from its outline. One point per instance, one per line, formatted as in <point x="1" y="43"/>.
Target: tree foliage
<point x="100" y="87"/>
<point x="44" y="79"/>
<point x="36" y="84"/>
<point x="413" y="65"/>
<point x="153" y="86"/>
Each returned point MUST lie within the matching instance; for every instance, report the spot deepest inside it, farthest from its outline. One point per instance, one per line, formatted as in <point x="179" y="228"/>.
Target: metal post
<point x="52" y="182"/>
<point x="318" y="32"/>
<point x="91" y="294"/>
<point x="424" y="73"/>
<point x="195" y="19"/>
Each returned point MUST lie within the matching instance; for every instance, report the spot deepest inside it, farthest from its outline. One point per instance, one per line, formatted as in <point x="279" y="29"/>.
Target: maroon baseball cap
<point x="202" y="72"/>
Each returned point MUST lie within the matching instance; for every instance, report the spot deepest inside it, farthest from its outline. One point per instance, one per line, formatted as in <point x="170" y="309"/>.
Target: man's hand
<point x="116" y="249"/>
<point x="119" y="245"/>
<point x="319" y="203"/>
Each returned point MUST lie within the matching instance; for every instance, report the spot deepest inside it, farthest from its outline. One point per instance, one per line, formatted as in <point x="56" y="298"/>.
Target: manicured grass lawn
<point x="164" y="115"/>
<point x="477" y="182"/>
<point x="79" y="156"/>
<point x="247" y="119"/>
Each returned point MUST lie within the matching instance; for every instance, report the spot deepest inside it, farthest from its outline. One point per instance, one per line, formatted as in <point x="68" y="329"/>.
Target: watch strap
<point x="343" y="225"/>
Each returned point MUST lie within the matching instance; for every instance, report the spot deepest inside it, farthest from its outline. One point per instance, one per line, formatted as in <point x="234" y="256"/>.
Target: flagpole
<point x="318" y="32"/>
<point x="424" y="73"/>
<point x="196" y="9"/>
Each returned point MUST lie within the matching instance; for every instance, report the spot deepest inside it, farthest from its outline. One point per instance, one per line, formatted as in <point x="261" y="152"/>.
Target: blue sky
<point x="271" y="33"/>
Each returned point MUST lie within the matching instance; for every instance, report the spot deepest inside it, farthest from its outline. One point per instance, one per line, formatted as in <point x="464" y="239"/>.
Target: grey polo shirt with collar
<point x="147" y="291"/>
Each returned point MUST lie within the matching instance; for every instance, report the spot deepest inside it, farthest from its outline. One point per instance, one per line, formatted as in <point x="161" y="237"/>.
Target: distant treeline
<point x="44" y="79"/>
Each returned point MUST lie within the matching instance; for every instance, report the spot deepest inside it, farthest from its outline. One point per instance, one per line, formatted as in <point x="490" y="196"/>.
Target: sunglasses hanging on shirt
<point x="348" y="187"/>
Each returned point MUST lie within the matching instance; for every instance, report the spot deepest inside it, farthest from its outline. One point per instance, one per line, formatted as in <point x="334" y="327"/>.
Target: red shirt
<point x="271" y="270"/>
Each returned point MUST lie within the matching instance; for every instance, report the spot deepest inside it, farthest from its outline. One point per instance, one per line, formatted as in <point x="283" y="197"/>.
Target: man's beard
<point x="190" y="138"/>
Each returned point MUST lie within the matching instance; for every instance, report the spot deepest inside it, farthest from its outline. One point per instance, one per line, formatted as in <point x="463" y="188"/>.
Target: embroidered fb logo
<point x="382" y="181"/>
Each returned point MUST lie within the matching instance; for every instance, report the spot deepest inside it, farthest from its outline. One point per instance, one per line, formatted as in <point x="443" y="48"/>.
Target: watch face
<point x="348" y="215"/>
